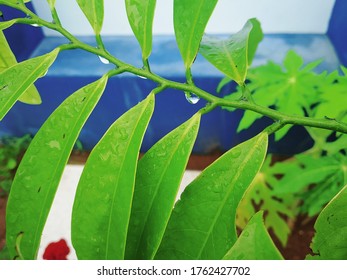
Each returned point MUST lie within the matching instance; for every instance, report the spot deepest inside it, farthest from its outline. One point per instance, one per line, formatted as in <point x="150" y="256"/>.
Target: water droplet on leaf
<point x="192" y="98"/>
<point x="104" y="60"/>
<point x="141" y="77"/>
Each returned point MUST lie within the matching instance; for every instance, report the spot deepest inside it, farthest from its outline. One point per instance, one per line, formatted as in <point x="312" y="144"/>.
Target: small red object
<point x="57" y="251"/>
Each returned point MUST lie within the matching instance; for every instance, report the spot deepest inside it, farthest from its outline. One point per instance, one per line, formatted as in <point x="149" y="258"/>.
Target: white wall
<point x="276" y="16"/>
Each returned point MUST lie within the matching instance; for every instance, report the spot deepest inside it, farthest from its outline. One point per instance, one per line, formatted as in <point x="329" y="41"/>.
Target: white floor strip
<point x="58" y="223"/>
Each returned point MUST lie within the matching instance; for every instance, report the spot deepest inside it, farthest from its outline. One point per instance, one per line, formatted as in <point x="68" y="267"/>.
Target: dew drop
<point x="104" y="60"/>
<point x="144" y="78"/>
<point x="35" y="25"/>
<point x="192" y="98"/>
<point x="236" y="153"/>
<point x="245" y="233"/>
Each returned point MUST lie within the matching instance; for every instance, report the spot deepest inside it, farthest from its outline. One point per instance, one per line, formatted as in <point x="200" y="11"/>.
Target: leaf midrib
<point x="22" y="88"/>
<point x="226" y="197"/>
<point x="61" y="159"/>
<point x="191" y="35"/>
<point x="117" y="184"/>
<point x="157" y="187"/>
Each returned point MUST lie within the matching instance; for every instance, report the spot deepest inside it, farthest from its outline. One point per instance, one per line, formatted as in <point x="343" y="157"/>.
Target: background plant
<point x="202" y="224"/>
<point x="278" y="188"/>
<point x="11" y="150"/>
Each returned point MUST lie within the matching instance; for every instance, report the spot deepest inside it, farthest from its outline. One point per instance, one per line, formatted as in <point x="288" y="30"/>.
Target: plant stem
<point x="281" y="119"/>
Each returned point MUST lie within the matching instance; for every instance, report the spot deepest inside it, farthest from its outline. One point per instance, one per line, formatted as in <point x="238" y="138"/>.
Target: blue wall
<point x="22" y="38"/>
<point x="337" y="31"/>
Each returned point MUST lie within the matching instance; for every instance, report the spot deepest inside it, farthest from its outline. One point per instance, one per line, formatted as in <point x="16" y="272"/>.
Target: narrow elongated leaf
<point x="329" y="242"/>
<point x="158" y="179"/>
<point x="140" y="15"/>
<point x="39" y="173"/>
<point x="7" y="24"/>
<point x="254" y="243"/>
<point x="234" y="55"/>
<point x="190" y="20"/>
<point x="202" y="224"/>
<point x="16" y="1"/>
<point x="51" y="4"/>
<point x="100" y="232"/>
<point x="7" y="59"/>
<point x="15" y="80"/>
<point x="94" y="12"/>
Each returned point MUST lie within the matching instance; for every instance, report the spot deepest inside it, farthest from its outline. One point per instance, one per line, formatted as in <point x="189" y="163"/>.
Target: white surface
<point x="58" y="225"/>
<point x="276" y="16"/>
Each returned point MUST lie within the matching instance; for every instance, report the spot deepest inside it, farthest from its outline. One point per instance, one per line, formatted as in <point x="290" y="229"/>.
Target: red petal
<point x="56" y="251"/>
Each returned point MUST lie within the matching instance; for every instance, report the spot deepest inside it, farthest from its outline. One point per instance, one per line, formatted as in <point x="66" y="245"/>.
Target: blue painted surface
<point x="22" y="38"/>
<point x="338" y="29"/>
<point x="74" y="69"/>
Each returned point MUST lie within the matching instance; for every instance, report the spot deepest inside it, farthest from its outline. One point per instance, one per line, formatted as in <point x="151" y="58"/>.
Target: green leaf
<point x="4" y="255"/>
<point x="254" y="243"/>
<point x="7" y="24"/>
<point x="261" y="196"/>
<point x="223" y="83"/>
<point x="108" y="177"/>
<point x="312" y="171"/>
<point x="319" y="181"/>
<point x="7" y="59"/>
<point x="15" y="80"/>
<point x="190" y="20"/>
<point x="234" y="55"/>
<point x="158" y="179"/>
<point x="140" y="15"/>
<point x="39" y="173"/>
<point x="292" y="89"/>
<point x="334" y="98"/>
<point x="329" y="242"/>
<point x="202" y="224"/>
<point x="17" y="1"/>
<point x="94" y="12"/>
<point x="51" y="4"/>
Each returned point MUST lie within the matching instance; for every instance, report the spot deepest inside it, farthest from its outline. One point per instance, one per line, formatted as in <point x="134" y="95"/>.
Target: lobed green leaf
<point x="158" y="178"/>
<point x="261" y="195"/>
<point x="254" y="243"/>
<point x="100" y="232"/>
<point x="94" y="12"/>
<point x="190" y="20"/>
<point x="16" y="80"/>
<point x="234" y="55"/>
<point x="140" y="15"/>
<point x="7" y="59"/>
<point x="329" y="242"/>
<point x="202" y="224"/>
<point x="39" y="173"/>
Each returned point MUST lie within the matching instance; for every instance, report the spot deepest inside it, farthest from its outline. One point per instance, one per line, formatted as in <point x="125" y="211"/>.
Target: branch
<point x="281" y="119"/>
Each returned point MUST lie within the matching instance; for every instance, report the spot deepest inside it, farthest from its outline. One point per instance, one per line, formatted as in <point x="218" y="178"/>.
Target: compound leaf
<point x="39" y="173"/>
<point x="202" y="224"/>
<point x="108" y="177"/>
